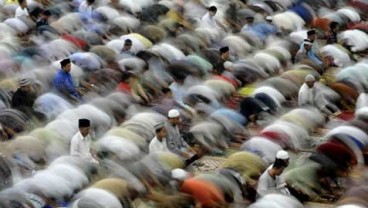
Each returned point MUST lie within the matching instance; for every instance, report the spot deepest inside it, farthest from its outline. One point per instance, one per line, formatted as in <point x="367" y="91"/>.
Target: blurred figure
<point x="22" y="10"/>
<point x="127" y="48"/>
<point x="313" y="54"/>
<point x="248" y="24"/>
<point x="158" y="143"/>
<point x="270" y="182"/>
<point x="309" y="94"/>
<point x="24" y="98"/>
<point x="205" y="194"/>
<point x="175" y="141"/>
<point x="80" y="144"/>
<point x="63" y="81"/>
<point x="209" y="18"/>
<point x="43" y="20"/>
<point x="303" y="51"/>
<point x="331" y="36"/>
<point x="124" y="84"/>
<point x="224" y="55"/>
<point x="86" y="8"/>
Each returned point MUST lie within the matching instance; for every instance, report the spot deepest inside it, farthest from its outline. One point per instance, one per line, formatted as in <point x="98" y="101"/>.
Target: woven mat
<point x="206" y="164"/>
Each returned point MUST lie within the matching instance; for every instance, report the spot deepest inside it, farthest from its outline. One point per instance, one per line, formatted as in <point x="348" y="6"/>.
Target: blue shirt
<point x="63" y="83"/>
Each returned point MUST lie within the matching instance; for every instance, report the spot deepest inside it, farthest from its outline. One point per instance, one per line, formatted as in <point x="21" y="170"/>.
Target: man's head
<point x="283" y="155"/>
<point x="25" y="85"/>
<point x="127" y="45"/>
<point x="312" y="34"/>
<point x="225" y="52"/>
<point x="90" y="2"/>
<point x="309" y="80"/>
<point x="84" y="126"/>
<point x="334" y="26"/>
<point x="46" y="14"/>
<point x="174" y="117"/>
<point x="278" y="167"/>
<point x="179" y="174"/>
<point x="66" y="65"/>
<point x="160" y="130"/>
<point x="307" y="44"/>
<point x="22" y="3"/>
<point x="212" y="11"/>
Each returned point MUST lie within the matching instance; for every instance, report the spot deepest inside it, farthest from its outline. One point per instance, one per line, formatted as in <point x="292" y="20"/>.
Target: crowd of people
<point x="119" y="103"/>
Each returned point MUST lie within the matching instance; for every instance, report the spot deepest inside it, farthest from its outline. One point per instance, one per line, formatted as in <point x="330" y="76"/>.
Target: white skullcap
<point x="179" y="174"/>
<point x="269" y="18"/>
<point x="310" y="78"/>
<point x="282" y="154"/>
<point x="228" y="65"/>
<point x="173" y="113"/>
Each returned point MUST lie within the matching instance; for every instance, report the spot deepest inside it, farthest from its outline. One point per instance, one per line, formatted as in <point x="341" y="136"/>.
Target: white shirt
<point x="267" y="185"/>
<point x="81" y="146"/>
<point x="209" y="20"/>
<point x="21" y="12"/>
<point x="158" y="146"/>
<point x="85" y="9"/>
<point x="312" y="96"/>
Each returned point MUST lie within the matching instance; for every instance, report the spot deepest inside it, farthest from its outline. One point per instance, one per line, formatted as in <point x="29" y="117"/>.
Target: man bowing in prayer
<point x="81" y="141"/>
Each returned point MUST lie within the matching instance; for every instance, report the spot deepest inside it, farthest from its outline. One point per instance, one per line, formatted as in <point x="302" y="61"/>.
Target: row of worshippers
<point x="168" y="139"/>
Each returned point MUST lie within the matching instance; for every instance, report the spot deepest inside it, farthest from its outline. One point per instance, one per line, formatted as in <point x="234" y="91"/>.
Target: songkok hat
<point x="310" y="78"/>
<point x="24" y="82"/>
<point x="224" y="49"/>
<point x="282" y="154"/>
<point x="84" y="123"/>
<point x="311" y="32"/>
<point x="173" y="113"/>
<point x="179" y="174"/>
<point x="64" y="62"/>
<point x="128" y="41"/>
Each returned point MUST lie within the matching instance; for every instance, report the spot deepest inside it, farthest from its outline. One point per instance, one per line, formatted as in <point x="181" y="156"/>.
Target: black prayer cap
<point x="83" y="122"/>
<point x="224" y="49"/>
<point x="311" y="32"/>
<point x="65" y="62"/>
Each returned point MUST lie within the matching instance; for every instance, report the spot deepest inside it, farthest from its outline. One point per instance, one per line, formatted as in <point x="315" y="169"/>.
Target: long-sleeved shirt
<point x="81" y="146"/>
<point x="63" y="83"/>
<point x="175" y="142"/>
<point x="158" y="146"/>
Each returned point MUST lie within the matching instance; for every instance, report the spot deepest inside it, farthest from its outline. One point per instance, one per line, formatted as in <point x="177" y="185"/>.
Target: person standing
<point x="81" y="142"/>
<point x="63" y="81"/>
<point x="158" y="143"/>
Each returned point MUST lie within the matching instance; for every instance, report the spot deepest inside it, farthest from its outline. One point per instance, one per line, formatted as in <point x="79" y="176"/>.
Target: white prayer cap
<point x="173" y="113"/>
<point x="269" y="18"/>
<point x="282" y="154"/>
<point x="228" y="65"/>
<point x="310" y="78"/>
<point x="179" y="174"/>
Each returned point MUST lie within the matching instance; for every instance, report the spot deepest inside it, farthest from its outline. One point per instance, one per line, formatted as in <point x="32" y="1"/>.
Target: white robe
<point x="209" y="21"/>
<point x="158" y="146"/>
